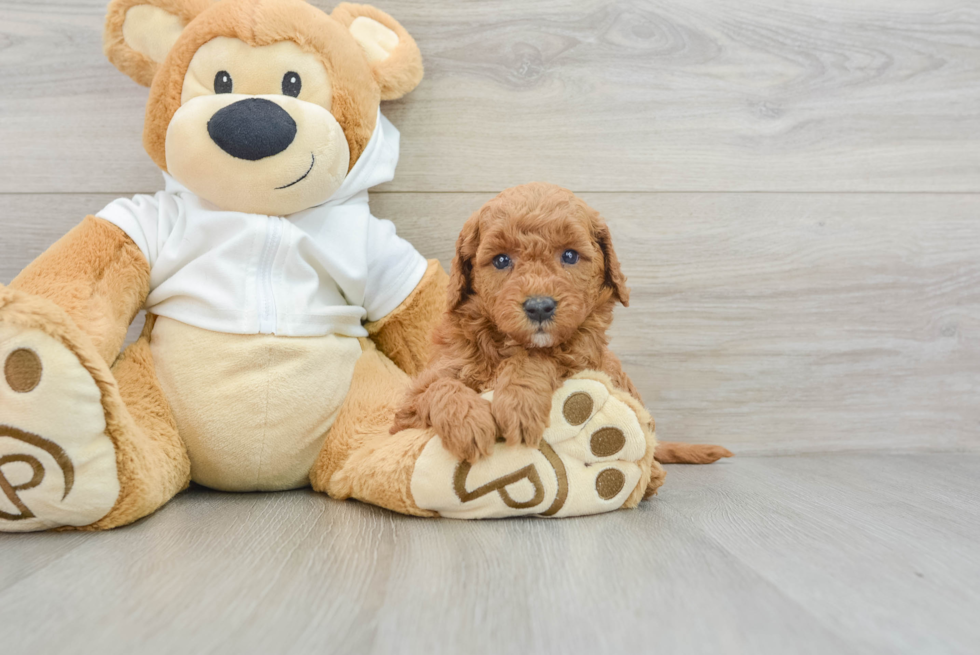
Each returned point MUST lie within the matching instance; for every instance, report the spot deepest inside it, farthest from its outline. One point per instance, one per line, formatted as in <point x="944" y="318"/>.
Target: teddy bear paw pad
<point x="587" y="463"/>
<point x="57" y="466"/>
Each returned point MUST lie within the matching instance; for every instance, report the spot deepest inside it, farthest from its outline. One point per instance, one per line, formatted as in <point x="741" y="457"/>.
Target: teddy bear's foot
<point x="57" y="465"/>
<point x="596" y="456"/>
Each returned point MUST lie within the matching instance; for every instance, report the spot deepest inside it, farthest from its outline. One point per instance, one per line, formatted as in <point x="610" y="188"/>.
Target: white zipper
<point x="265" y="293"/>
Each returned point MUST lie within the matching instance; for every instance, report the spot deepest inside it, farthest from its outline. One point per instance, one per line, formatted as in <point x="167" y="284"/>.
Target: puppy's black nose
<point x="540" y="308"/>
<point x="252" y="129"/>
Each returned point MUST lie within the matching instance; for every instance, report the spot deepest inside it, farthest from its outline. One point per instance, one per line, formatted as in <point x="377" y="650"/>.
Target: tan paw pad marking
<point x="577" y="408"/>
<point x="22" y="370"/>
<point x="606" y="442"/>
<point x="574" y="404"/>
<point x="609" y="483"/>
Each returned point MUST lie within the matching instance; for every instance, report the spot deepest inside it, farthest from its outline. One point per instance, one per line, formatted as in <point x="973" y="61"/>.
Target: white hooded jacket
<point x="320" y="271"/>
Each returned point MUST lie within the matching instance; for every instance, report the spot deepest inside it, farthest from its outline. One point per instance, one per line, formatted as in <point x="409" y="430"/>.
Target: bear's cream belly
<point x="252" y="409"/>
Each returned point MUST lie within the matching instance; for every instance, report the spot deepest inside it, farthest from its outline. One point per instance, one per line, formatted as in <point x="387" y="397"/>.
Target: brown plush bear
<point x="283" y="319"/>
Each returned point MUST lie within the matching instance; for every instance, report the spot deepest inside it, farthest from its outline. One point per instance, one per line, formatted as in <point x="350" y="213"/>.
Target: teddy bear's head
<point x="260" y="106"/>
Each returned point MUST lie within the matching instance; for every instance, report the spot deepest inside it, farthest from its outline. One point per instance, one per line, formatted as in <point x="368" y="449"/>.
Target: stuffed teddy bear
<point x="283" y="318"/>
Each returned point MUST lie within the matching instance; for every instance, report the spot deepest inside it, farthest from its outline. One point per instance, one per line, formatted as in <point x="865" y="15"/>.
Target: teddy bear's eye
<point x="291" y="84"/>
<point x="222" y="82"/>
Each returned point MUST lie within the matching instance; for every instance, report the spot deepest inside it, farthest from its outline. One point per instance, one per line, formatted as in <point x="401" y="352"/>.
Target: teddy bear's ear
<point x="394" y="57"/>
<point x="139" y="33"/>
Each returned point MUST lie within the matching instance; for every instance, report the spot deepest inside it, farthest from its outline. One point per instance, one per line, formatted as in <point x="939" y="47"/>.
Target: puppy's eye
<point x="500" y="262"/>
<point x="222" y="82"/>
<point x="291" y="84"/>
<point x="569" y="257"/>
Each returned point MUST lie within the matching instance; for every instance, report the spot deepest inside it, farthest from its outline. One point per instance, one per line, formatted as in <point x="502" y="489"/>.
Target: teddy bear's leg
<point x="360" y="458"/>
<point x="81" y="445"/>
<point x="597" y="455"/>
<point x="154" y="465"/>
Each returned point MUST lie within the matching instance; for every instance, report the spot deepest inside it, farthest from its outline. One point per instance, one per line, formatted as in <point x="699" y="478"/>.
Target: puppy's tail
<point x="672" y="452"/>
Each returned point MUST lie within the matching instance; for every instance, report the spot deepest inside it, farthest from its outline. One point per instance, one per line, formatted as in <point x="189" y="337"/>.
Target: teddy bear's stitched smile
<point x="312" y="163"/>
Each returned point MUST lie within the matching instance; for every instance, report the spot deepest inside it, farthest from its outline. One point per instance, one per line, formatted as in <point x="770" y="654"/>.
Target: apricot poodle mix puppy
<point x="531" y="295"/>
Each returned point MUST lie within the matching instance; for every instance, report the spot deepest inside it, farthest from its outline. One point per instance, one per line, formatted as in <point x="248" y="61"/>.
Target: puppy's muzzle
<point x="540" y="308"/>
<point x="252" y="129"/>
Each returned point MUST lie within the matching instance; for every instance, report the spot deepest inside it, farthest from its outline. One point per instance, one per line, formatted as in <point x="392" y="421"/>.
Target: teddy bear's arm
<point x="98" y="275"/>
<point x="405" y="335"/>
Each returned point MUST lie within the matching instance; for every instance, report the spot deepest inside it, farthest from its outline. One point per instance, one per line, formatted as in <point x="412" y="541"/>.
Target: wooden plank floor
<point x="806" y="554"/>
<point x="794" y="189"/>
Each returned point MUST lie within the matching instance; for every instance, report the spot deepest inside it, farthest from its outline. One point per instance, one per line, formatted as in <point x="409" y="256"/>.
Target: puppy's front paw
<point x="521" y="416"/>
<point x="466" y="426"/>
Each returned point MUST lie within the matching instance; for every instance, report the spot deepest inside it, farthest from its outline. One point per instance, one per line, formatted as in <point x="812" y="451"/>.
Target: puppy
<point x="531" y="295"/>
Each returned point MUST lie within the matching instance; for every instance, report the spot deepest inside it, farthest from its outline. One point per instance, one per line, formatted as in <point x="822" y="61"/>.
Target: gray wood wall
<point x="793" y="187"/>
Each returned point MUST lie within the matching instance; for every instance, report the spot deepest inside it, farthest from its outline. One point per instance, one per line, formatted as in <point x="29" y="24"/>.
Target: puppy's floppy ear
<point x="395" y="60"/>
<point x="139" y="33"/>
<point x="461" y="271"/>
<point x="614" y="277"/>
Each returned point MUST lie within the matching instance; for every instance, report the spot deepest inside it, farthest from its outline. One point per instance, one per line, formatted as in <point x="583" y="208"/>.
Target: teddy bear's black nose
<point x="540" y="308"/>
<point x="252" y="129"/>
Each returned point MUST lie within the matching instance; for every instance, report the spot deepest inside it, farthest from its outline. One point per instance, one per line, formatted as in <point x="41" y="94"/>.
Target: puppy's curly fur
<point x="555" y="247"/>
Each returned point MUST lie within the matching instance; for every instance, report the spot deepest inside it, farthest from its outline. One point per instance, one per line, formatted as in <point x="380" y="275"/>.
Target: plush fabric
<point x="251" y="174"/>
<point x="412" y="473"/>
<point x="134" y="59"/>
<point x="359" y="458"/>
<point x="377" y="40"/>
<point x="149" y="471"/>
<point x="257" y="71"/>
<point x="589" y="462"/>
<point x="292" y="387"/>
<point x="405" y="336"/>
<point x="98" y="276"/>
<point x="67" y="476"/>
<point x="327" y="268"/>
<point x="288" y="152"/>
<point x="156" y="457"/>
<point x="151" y="31"/>
<point x="358" y="86"/>
<point x="401" y="70"/>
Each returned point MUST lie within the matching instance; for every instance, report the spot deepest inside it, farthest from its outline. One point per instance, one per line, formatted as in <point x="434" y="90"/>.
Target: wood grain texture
<point x="806" y="318"/>
<point x="596" y="95"/>
<point x="770" y="323"/>
<point x="809" y="554"/>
